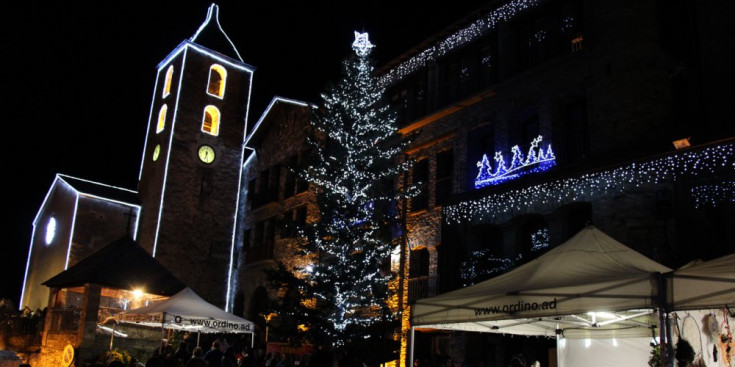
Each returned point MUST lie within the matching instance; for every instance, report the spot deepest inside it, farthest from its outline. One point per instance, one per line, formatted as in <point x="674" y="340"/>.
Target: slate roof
<point x="123" y="264"/>
<point x="101" y="190"/>
<point x="277" y="106"/>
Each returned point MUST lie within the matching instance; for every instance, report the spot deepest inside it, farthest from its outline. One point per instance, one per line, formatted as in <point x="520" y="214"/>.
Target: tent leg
<point x="163" y="334"/>
<point x="669" y="345"/>
<point x="663" y="343"/>
<point x="252" y="341"/>
<point x="410" y="352"/>
<point x="199" y="334"/>
<point x="112" y="335"/>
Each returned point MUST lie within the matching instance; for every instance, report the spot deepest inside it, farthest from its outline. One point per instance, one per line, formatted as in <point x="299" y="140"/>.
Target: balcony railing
<point x="64" y="318"/>
<point x="422" y="287"/>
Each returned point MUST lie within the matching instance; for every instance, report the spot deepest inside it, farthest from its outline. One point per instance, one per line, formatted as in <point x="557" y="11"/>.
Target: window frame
<point x="222" y="73"/>
<point x="168" y="81"/>
<point x="161" y="121"/>
<point x="216" y="115"/>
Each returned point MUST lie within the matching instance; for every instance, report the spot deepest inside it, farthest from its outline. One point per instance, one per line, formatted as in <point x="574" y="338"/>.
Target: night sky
<point x="80" y="79"/>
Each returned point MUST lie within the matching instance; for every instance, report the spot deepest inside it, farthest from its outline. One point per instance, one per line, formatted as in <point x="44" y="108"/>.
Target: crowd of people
<point x="222" y="354"/>
<point x="517" y="360"/>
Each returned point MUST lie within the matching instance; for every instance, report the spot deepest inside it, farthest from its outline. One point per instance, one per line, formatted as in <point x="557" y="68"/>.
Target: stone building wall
<point x="626" y="78"/>
<point x="98" y="223"/>
<point x="283" y="137"/>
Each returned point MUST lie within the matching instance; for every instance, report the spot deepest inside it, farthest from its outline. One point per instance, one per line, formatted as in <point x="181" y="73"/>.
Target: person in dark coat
<point x="214" y="355"/>
<point x="197" y="359"/>
<point x="182" y="354"/>
<point x="229" y="359"/>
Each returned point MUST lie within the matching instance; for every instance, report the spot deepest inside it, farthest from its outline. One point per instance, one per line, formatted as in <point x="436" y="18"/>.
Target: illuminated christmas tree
<point x="343" y="297"/>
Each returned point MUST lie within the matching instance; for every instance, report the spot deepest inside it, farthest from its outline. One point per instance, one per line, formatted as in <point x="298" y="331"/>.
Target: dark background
<point x="78" y="79"/>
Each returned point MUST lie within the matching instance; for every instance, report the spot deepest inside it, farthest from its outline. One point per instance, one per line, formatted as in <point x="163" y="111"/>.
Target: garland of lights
<point x="457" y="39"/>
<point x="482" y="264"/>
<point x="540" y="239"/>
<point x="711" y="195"/>
<point x="557" y="192"/>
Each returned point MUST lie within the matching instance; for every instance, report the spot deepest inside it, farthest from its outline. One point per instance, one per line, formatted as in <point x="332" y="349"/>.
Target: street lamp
<point x="267" y="318"/>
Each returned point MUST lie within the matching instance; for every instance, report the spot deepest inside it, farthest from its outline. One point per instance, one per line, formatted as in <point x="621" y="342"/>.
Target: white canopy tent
<point x="187" y="311"/>
<point x="699" y="296"/>
<point x="591" y="286"/>
<point x="709" y="284"/>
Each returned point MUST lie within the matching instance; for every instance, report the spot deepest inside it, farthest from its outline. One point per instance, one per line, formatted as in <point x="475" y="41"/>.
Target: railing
<point x="21" y="330"/>
<point x="64" y="318"/>
<point x="20" y="325"/>
<point x="422" y="287"/>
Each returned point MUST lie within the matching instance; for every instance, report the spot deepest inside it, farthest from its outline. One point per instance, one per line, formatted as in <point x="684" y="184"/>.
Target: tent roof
<point x="122" y="264"/>
<point x="709" y="284"/>
<point x="591" y="272"/>
<point x="187" y="311"/>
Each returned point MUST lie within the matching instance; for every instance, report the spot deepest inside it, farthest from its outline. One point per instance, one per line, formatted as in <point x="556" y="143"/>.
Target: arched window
<point x="217" y="80"/>
<point x="161" y="119"/>
<point x="167" y="82"/>
<point x="210" y="122"/>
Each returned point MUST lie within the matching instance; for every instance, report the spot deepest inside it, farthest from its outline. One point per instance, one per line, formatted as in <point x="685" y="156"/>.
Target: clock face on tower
<point x="206" y="154"/>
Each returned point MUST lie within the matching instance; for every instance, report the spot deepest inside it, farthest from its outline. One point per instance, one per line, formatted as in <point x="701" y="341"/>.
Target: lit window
<point x="217" y="79"/>
<point x="50" y="231"/>
<point x="210" y="123"/>
<point x="161" y="119"/>
<point x="167" y="83"/>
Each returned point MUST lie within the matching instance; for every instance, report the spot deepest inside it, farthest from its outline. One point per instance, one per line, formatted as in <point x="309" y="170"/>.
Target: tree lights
<point x="680" y="164"/>
<point x="355" y="148"/>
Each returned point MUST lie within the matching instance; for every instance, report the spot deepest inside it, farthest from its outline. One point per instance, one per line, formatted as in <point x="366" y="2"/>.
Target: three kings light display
<point x="538" y="159"/>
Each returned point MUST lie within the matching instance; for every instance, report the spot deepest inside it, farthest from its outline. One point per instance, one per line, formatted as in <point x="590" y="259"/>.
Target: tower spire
<point x="211" y="35"/>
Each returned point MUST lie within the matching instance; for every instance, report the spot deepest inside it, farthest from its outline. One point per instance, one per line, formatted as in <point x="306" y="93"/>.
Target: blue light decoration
<point x="537" y="160"/>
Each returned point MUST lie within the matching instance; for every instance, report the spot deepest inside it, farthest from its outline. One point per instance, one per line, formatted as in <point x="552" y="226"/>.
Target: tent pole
<point x="410" y="356"/>
<point x="163" y="333"/>
<point x="669" y="346"/>
<point x="112" y="335"/>
<point x="252" y="341"/>
<point x="199" y="334"/>
<point x="663" y="335"/>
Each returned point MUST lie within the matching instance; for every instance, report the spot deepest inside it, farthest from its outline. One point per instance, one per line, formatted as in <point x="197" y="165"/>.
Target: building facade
<point x="535" y="119"/>
<point x="532" y="120"/>
<point x="184" y="210"/>
<point x="183" y="213"/>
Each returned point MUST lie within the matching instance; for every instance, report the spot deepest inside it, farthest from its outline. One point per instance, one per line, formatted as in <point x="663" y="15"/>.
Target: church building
<point x="183" y="212"/>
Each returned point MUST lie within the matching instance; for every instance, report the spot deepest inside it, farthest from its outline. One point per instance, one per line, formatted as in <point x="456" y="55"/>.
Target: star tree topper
<point x="362" y="45"/>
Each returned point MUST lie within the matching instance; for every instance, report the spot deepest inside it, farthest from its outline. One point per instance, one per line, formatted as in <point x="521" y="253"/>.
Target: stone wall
<point x="52" y="348"/>
<point x="281" y="139"/>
